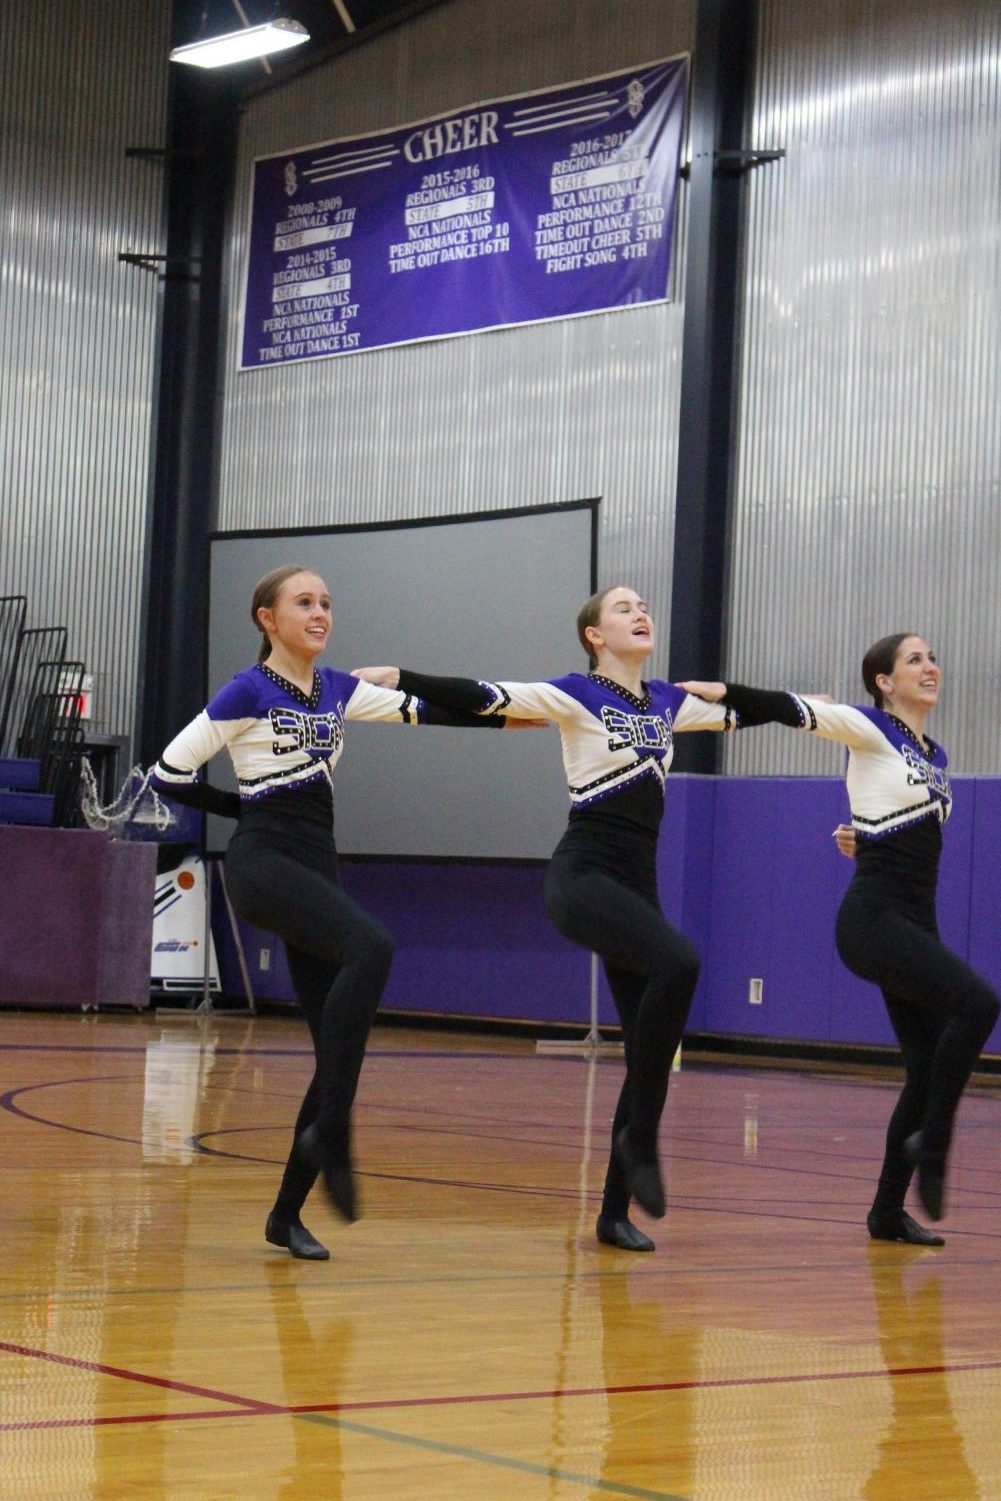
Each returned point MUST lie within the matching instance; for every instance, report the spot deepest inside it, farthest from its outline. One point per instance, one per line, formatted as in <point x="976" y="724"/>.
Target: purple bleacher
<point x="35" y="808"/>
<point x="20" y="773"/>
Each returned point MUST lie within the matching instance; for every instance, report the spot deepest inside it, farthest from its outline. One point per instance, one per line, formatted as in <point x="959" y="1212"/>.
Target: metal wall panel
<point x="524" y="416"/>
<point x="77" y="330"/>
<point x="869" y="496"/>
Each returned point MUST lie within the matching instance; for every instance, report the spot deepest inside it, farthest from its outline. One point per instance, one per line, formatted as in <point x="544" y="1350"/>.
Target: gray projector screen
<point x="493" y="595"/>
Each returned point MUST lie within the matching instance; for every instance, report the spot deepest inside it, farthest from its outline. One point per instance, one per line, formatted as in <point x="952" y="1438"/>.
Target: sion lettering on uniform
<point x="636" y="731"/>
<point x="305" y="732"/>
<point x="921" y="773"/>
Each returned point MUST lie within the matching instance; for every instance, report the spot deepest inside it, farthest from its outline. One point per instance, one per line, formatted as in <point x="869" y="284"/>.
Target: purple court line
<point x="393" y="1053"/>
<point x="29" y="1353"/>
<point x="250" y="1408"/>
<point x="7" y="1103"/>
<point x="669" y="1156"/>
<point x="305" y="1052"/>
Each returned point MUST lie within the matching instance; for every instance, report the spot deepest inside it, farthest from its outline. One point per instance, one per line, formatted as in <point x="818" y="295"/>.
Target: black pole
<point x="200" y="159"/>
<point x="722" y="75"/>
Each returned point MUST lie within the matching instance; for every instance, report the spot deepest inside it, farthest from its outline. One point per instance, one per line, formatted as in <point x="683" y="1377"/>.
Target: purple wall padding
<point x="981" y="877"/>
<point x="774" y="871"/>
<point x="76" y="918"/>
<point x="472" y="940"/>
<point x="685" y="870"/>
<point x="747" y="869"/>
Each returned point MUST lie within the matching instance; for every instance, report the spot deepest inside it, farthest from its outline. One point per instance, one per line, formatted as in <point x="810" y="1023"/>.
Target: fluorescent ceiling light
<point x="237" y="46"/>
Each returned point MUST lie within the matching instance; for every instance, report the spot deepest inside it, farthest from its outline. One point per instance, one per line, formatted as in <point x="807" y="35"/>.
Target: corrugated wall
<point x="519" y="417"/>
<point x="869" y="497"/>
<point x="77" y="330"/>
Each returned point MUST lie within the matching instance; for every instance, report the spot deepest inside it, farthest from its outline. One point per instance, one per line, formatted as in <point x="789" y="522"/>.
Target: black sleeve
<point x="461" y="719"/>
<point x="203" y="797"/>
<point x="465" y="695"/>
<point x="763" y="706"/>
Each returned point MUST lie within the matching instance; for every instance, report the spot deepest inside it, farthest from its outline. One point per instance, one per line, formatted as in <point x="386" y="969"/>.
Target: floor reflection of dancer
<point x="601" y="886"/>
<point x="923" y="1423"/>
<point x="315" y="1349"/>
<point x="941" y="1010"/>
<point x="282" y="722"/>
<point x="642" y="1332"/>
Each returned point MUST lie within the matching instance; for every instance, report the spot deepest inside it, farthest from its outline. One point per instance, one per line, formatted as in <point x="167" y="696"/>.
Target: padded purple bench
<point x="76" y="918"/>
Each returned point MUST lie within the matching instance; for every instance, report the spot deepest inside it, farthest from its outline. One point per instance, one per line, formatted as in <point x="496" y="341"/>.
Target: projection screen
<point x="489" y="595"/>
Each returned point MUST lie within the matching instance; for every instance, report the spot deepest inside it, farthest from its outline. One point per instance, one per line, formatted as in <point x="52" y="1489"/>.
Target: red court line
<point x="249" y="1408"/>
<point x="651" y="1386"/>
<point x="161" y="1381"/>
<point x="135" y="1417"/>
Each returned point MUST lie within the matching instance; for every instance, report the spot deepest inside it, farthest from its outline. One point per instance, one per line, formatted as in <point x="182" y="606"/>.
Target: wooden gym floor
<point x="468" y="1339"/>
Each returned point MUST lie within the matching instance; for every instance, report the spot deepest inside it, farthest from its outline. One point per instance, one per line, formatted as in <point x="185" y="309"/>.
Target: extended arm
<point x="518" y="701"/>
<point x="813" y="712"/>
<point x="175" y="774"/>
<point x="399" y="701"/>
<point x="458" y="695"/>
<point x="763" y="706"/>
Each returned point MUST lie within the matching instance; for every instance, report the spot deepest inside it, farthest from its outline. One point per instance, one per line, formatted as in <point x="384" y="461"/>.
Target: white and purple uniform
<point x="283" y="743"/>
<point x="601" y="885"/>
<point x="282" y="868"/>
<point x="617" y="748"/>
<point x="893" y="781"/>
<point x="887" y="932"/>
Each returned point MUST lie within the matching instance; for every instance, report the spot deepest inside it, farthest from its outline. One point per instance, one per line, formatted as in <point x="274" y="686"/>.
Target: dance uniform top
<point x="898" y="788"/>
<point x="284" y="744"/>
<point x="617" y="748"/>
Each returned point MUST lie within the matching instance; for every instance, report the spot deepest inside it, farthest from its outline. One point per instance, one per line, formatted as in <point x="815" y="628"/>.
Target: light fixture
<point x="237" y="46"/>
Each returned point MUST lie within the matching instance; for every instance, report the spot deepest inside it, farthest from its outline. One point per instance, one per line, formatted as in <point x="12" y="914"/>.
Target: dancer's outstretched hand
<point x="713" y="693"/>
<point x="382" y="677"/>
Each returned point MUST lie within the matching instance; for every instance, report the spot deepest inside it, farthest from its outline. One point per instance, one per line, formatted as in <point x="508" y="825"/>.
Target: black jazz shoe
<point x="645" y="1183"/>
<point x="622" y="1234"/>
<point x="931" y="1175"/>
<point x="896" y="1224"/>
<point x="338" y="1177"/>
<point x="295" y="1238"/>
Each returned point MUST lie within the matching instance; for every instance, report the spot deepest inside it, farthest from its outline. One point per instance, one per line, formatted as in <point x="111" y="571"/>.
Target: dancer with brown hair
<point x="618" y="734"/>
<point x="941" y="1011"/>
<point x="282" y="722"/>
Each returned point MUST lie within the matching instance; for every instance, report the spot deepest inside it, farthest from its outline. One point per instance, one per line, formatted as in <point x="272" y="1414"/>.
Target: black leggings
<point x="652" y="972"/>
<point x="941" y="1011"/>
<point x="339" y="960"/>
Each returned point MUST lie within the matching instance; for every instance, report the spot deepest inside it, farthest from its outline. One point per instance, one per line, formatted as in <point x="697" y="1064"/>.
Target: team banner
<point x="545" y="205"/>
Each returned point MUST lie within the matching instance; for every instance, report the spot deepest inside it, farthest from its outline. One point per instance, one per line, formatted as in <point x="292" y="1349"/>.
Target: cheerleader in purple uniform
<point x="617" y="733"/>
<point x="282" y="722"/>
<point x="941" y="1011"/>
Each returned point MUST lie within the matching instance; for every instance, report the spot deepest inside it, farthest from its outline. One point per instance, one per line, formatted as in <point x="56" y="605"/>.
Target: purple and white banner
<point x="545" y="205"/>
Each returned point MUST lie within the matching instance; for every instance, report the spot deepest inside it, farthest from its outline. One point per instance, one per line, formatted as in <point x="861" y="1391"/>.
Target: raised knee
<point x="992" y="1007"/>
<point x="370" y="949"/>
<point x="382" y="946"/>
<point x="689" y="968"/>
<point x="983" y="1006"/>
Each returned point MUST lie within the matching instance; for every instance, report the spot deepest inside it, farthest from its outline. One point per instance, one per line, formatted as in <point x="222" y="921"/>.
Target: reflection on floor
<point x="469" y="1339"/>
